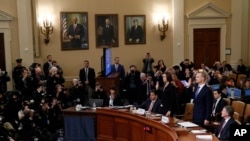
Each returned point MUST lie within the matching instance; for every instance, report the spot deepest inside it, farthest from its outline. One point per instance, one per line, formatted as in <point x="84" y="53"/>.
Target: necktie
<point x="116" y="68"/>
<point x="197" y="91"/>
<point x="86" y="73"/>
<point x="151" y="106"/>
<point x="223" y="125"/>
<point x="74" y="26"/>
<point x="148" y="88"/>
<point x="213" y="109"/>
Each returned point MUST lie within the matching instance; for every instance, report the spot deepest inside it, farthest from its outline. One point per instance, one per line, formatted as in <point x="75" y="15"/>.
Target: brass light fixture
<point x="163" y="27"/>
<point x="46" y="29"/>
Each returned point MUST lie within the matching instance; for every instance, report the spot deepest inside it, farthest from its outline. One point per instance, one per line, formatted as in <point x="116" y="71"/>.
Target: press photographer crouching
<point x="78" y="93"/>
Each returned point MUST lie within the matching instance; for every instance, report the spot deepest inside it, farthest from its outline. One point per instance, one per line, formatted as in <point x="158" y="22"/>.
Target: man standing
<point x="136" y="33"/>
<point x="148" y="64"/>
<point x="75" y="33"/>
<point x="108" y="33"/>
<point x="118" y="68"/>
<point x="17" y="72"/>
<point x="87" y="77"/>
<point x="47" y="65"/>
<point x="203" y="100"/>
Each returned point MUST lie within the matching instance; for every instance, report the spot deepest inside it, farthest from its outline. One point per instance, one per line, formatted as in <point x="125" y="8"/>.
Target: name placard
<point x="164" y="119"/>
<point x="140" y="111"/>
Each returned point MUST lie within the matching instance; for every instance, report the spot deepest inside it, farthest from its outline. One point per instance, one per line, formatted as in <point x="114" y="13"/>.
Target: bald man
<point x="75" y="33"/>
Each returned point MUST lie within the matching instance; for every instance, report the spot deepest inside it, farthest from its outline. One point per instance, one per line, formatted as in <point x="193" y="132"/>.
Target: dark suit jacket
<point x="219" y="108"/>
<point x="117" y="101"/>
<point x="120" y="70"/>
<point x="75" y="42"/>
<point x="91" y="77"/>
<point x="108" y="35"/>
<point x="147" y="62"/>
<point x="157" y="107"/>
<point x="202" y="105"/>
<point x="225" y="133"/>
<point x="136" y="33"/>
<point x="46" y="67"/>
<point x="168" y="97"/>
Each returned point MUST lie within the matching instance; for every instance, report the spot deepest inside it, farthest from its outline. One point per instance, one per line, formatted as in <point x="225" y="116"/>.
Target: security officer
<point x="17" y="72"/>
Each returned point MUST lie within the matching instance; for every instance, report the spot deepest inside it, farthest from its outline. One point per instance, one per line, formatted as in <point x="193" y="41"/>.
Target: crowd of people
<point x="33" y="110"/>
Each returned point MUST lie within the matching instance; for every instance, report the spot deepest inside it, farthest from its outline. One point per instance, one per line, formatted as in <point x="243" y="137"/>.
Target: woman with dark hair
<point x="160" y="66"/>
<point x="113" y="98"/>
<point x="167" y="95"/>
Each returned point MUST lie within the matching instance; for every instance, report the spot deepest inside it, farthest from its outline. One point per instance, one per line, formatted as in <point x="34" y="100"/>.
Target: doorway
<point x="2" y="53"/>
<point x="206" y="43"/>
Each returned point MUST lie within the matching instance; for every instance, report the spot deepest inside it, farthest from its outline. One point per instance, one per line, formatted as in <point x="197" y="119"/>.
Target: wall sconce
<point x="46" y="29"/>
<point x="163" y="27"/>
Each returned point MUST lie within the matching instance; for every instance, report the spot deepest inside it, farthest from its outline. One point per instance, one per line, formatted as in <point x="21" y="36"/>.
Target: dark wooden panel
<point x="151" y="136"/>
<point x="122" y="129"/>
<point x="206" y="46"/>
<point x="135" y="128"/>
<point x="111" y="80"/>
<point x="105" y="128"/>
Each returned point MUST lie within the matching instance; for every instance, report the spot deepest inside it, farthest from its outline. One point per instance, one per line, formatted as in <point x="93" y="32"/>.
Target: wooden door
<point x="206" y="46"/>
<point x="2" y="52"/>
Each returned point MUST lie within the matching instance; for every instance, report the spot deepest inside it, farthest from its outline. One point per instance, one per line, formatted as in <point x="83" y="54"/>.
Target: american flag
<point x="64" y="26"/>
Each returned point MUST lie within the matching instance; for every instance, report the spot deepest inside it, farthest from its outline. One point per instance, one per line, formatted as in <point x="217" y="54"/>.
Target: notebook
<point x="98" y="102"/>
<point x="247" y="92"/>
<point x="235" y="91"/>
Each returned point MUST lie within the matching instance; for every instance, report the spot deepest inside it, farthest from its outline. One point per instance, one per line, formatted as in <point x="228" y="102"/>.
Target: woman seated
<point x="113" y="98"/>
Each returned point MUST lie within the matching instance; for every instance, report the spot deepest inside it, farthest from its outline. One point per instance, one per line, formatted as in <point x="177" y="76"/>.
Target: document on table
<point x="187" y="124"/>
<point x="199" y="131"/>
<point x="204" y="137"/>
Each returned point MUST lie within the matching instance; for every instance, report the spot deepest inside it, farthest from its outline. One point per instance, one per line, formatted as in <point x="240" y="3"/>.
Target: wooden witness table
<point x="105" y="124"/>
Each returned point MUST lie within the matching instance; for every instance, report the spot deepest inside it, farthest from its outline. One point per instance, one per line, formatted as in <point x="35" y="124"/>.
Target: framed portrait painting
<point x="135" y="29"/>
<point x="74" y="30"/>
<point x="106" y="26"/>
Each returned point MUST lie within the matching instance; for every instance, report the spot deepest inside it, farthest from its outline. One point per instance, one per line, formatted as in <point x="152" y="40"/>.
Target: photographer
<point x="132" y="84"/>
<point x="99" y="93"/>
<point x="61" y="97"/>
<point x="78" y="92"/>
<point x="53" y="79"/>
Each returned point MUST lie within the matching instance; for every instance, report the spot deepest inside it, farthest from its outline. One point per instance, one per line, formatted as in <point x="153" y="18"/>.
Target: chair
<point x="188" y="113"/>
<point x="238" y="122"/>
<point x="236" y="116"/>
<point x="241" y="77"/>
<point x="98" y="102"/>
<point x="239" y="107"/>
<point x="232" y="75"/>
<point x="227" y="100"/>
<point x="247" y="112"/>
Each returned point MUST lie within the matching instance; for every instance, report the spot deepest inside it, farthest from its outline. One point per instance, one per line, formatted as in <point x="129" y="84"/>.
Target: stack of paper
<point x="198" y="131"/>
<point x="187" y="124"/>
<point x="204" y="137"/>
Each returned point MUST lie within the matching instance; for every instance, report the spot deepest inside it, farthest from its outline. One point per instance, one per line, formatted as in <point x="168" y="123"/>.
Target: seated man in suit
<point x="153" y="103"/>
<point x="218" y="105"/>
<point x="223" y="131"/>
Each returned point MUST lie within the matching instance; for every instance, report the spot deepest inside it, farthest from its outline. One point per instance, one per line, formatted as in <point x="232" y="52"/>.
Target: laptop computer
<point x="98" y="102"/>
<point x="215" y="86"/>
<point x="247" y="92"/>
<point x="234" y="92"/>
